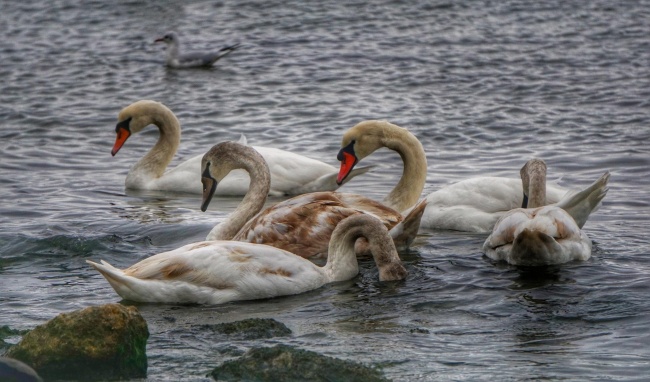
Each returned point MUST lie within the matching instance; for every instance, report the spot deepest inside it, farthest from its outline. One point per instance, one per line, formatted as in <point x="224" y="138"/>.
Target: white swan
<point x="302" y="224"/>
<point x="545" y="235"/>
<point x="291" y="174"/>
<point x="190" y="60"/>
<point x="471" y="205"/>
<point x="215" y="272"/>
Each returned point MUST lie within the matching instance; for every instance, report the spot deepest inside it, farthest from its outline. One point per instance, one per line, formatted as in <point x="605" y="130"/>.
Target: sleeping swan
<point x="471" y="205"/>
<point x="216" y="272"/>
<point x="545" y="235"/>
<point x="301" y="225"/>
<point x="291" y="174"/>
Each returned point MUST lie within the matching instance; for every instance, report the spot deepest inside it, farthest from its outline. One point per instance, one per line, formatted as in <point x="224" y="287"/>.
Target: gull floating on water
<point x="190" y="60"/>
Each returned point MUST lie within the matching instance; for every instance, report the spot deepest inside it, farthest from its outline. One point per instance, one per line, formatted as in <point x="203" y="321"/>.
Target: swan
<point x="545" y="235"/>
<point x="190" y="60"/>
<point x="301" y="225"/>
<point x="216" y="272"/>
<point x="471" y="205"/>
<point x="291" y="174"/>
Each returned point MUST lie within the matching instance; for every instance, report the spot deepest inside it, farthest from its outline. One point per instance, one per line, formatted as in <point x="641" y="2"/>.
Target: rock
<point x="286" y="363"/>
<point x="252" y="329"/>
<point x="12" y="370"/>
<point x="96" y="343"/>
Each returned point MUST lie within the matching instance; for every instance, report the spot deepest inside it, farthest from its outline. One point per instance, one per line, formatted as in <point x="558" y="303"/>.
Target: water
<point x="484" y="85"/>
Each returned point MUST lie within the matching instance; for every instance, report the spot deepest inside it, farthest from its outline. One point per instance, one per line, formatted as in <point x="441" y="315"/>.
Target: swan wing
<point x="304" y="224"/>
<point x="182" y="178"/>
<point x="387" y="215"/>
<point x="581" y="204"/>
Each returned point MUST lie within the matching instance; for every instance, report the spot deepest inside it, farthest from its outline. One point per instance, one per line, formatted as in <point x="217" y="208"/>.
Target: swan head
<point x="360" y="141"/>
<point x="377" y="240"/>
<point x="170" y="38"/>
<point x="534" y="248"/>
<point x="223" y="158"/>
<point x="135" y="117"/>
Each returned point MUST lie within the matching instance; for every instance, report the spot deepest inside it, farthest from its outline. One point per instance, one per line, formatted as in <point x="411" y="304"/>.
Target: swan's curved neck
<point x="341" y="259"/>
<point x="533" y="178"/>
<point x="154" y="163"/>
<point x="251" y="204"/>
<point x="409" y="188"/>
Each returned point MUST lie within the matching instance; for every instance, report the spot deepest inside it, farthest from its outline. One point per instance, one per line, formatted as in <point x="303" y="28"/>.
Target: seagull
<point x="193" y="59"/>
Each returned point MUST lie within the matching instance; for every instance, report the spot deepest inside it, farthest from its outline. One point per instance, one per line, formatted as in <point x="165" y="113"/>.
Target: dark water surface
<point x="484" y="85"/>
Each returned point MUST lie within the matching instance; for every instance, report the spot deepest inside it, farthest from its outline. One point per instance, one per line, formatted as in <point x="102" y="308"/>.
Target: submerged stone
<point x="286" y="363"/>
<point x="96" y="343"/>
<point x="12" y="370"/>
<point x="253" y="328"/>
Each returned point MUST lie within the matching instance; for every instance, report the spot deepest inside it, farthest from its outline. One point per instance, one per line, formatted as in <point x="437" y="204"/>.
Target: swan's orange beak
<point x="123" y="134"/>
<point x="209" y="186"/>
<point x="348" y="161"/>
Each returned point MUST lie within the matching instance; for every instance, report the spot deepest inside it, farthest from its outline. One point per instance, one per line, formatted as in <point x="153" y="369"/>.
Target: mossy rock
<point x="252" y="329"/>
<point x="96" y="343"/>
<point x="286" y="363"/>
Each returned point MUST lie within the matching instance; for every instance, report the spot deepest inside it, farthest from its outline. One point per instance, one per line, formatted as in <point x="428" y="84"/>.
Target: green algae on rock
<point x="286" y="363"/>
<point x="102" y="342"/>
<point x="252" y="328"/>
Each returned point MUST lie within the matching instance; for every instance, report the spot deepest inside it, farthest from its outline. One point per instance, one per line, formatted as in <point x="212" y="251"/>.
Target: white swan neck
<point x="533" y="177"/>
<point x="161" y="154"/>
<point x="341" y="259"/>
<point x="251" y="204"/>
<point x="407" y="191"/>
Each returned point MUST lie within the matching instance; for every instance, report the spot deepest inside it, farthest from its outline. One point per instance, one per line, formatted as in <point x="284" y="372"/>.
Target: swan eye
<point x="206" y="172"/>
<point x="125" y="124"/>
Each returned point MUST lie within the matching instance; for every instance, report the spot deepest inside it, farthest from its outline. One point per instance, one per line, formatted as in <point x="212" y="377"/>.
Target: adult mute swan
<point x="215" y="272"/>
<point x="301" y="225"/>
<point x="545" y="235"/>
<point x="471" y="205"/>
<point x="193" y="59"/>
<point x="291" y="174"/>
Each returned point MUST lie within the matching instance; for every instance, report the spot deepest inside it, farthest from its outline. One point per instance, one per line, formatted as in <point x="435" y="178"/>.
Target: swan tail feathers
<point x="405" y="232"/>
<point x="581" y="204"/>
<point x="121" y="283"/>
<point x="328" y="182"/>
<point x="243" y="140"/>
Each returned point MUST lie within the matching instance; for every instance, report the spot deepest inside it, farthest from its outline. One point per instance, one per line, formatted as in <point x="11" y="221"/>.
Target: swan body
<point x="545" y="235"/>
<point x="303" y="224"/>
<point x="216" y="272"/>
<point x="475" y="204"/>
<point x="471" y="205"/>
<point x="190" y="60"/>
<point x="291" y="174"/>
